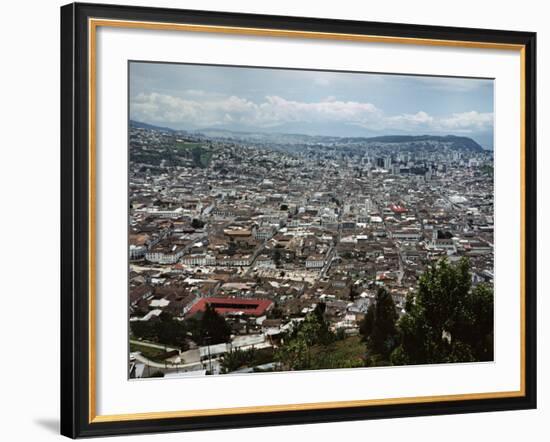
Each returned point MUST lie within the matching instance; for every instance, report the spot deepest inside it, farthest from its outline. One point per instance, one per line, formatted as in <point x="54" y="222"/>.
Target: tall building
<point x="368" y="205"/>
<point x="428" y="174"/>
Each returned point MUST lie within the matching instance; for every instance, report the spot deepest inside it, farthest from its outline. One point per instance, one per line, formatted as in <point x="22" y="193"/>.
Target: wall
<point x="29" y="171"/>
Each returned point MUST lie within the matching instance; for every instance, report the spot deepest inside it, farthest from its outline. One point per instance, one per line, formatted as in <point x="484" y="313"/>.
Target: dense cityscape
<point x="254" y="252"/>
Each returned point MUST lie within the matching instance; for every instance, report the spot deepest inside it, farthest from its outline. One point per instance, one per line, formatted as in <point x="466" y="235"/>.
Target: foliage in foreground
<point x="165" y="330"/>
<point x="211" y="328"/>
<point x="251" y="357"/>
<point x="311" y="345"/>
<point x="379" y="329"/>
<point x="446" y="320"/>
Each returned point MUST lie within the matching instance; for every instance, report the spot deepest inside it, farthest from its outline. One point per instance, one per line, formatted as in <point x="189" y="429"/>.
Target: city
<point x="241" y="243"/>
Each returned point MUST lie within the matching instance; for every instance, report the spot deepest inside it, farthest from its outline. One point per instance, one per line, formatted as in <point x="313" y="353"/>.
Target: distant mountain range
<point x="452" y="141"/>
<point x="140" y="125"/>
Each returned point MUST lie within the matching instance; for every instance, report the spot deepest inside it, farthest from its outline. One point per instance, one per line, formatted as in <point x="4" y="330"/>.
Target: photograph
<point x="275" y="221"/>
<point x="293" y="219"/>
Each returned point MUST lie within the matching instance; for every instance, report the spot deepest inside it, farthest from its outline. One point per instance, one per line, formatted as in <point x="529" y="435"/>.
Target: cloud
<point x="196" y="109"/>
<point x="468" y="121"/>
<point x="419" y="118"/>
<point x="465" y="122"/>
<point x="203" y="110"/>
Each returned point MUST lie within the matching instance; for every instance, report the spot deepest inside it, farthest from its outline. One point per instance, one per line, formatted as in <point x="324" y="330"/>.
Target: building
<point x="315" y="262"/>
<point x="165" y="255"/>
<point x="226" y="306"/>
<point x="199" y="259"/>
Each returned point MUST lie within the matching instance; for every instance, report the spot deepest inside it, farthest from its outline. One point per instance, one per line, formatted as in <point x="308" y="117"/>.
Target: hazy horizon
<point x="323" y="103"/>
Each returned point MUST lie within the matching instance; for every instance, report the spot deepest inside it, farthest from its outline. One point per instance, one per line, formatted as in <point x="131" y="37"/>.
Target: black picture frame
<point x="75" y="220"/>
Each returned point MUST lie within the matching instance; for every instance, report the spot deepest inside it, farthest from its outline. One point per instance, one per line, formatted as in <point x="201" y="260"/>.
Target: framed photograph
<point x="274" y="220"/>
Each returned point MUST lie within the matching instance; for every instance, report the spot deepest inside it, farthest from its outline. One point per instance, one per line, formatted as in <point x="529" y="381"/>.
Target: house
<point x="138" y="293"/>
<point x="315" y="262"/>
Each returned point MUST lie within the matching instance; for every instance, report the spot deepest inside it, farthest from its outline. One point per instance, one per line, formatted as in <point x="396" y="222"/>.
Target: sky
<point x="190" y="97"/>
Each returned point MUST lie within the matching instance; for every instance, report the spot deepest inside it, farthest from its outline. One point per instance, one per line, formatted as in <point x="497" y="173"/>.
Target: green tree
<point x="213" y="328"/>
<point x="277" y="257"/>
<point x="476" y="326"/>
<point x="197" y="223"/>
<point x="276" y="313"/>
<point x="353" y="292"/>
<point x="251" y="357"/>
<point x="236" y="359"/>
<point x="296" y="354"/>
<point x="170" y="331"/>
<point x="446" y="320"/>
<point x="323" y="335"/>
<point x="164" y="330"/>
<point x="379" y="329"/>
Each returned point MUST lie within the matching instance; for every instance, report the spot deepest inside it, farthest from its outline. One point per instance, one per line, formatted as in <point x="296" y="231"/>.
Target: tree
<point x="353" y="292"/>
<point x="296" y="353"/>
<point x="476" y="329"/>
<point x="213" y="328"/>
<point x="379" y="329"/>
<point x="236" y="359"/>
<point x="231" y="248"/>
<point x="252" y="357"/>
<point x="365" y="326"/>
<point x="446" y="320"/>
<point x="164" y="330"/>
<point x="170" y="331"/>
<point x="277" y="257"/>
<point x="197" y="223"/>
<point x="323" y="335"/>
<point x="276" y="313"/>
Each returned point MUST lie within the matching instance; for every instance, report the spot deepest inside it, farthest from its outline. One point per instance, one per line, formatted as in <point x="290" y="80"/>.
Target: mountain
<point x="454" y="142"/>
<point x="140" y="125"/>
<point x="432" y="142"/>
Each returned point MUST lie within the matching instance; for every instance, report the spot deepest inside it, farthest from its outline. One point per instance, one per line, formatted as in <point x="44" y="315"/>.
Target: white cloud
<point x="468" y="121"/>
<point x="195" y="109"/>
<point x="419" y="118"/>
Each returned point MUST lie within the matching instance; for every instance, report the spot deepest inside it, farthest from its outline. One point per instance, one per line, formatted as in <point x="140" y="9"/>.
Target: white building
<point x="165" y="257"/>
<point x="199" y="259"/>
<point x="175" y="213"/>
<point x="315" y="262"/>
<point x="137" y="252"/>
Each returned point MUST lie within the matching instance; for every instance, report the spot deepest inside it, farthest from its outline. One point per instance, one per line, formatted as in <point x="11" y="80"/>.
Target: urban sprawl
<point x="236" y="239"/>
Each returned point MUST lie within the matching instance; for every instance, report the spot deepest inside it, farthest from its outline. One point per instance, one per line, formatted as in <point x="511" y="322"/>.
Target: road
<point x="332" y="251"/>
<point x="152" y="345"/>
<point x="328" y="263"/>
<point x="254" y="257"/>
<point x="401" y="272"/>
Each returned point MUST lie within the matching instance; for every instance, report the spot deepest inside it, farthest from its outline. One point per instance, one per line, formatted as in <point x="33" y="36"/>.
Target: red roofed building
<point x="223" y="306"/>
<point x="397" y="208"/>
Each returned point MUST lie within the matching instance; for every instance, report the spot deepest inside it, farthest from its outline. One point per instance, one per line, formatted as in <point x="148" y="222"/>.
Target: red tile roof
<point x="252" y="307"/>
